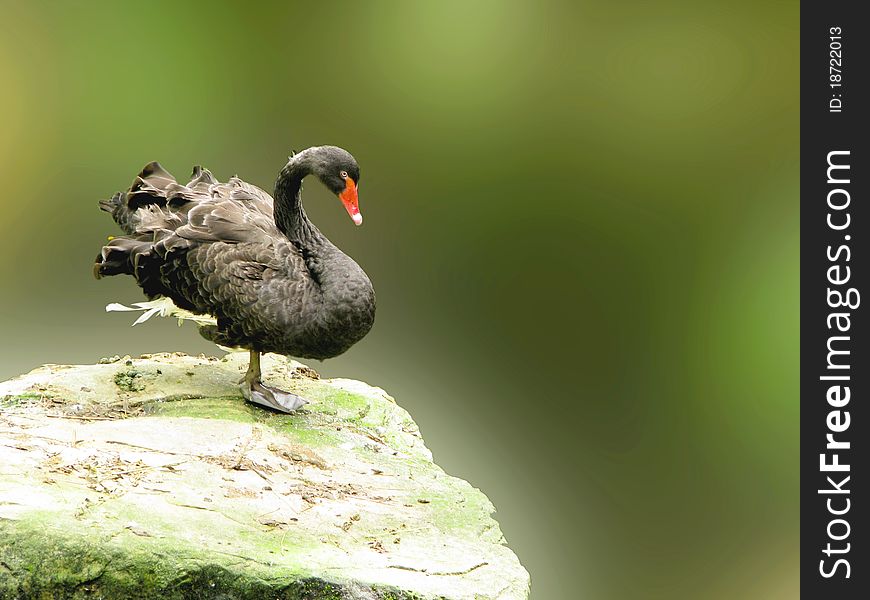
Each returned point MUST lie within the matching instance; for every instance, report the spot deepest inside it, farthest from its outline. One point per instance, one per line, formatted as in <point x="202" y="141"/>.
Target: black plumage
<point x="272" y="280"/>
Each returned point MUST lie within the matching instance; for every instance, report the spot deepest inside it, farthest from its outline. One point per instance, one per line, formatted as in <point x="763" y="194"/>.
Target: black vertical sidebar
<point x="835" y="225"/>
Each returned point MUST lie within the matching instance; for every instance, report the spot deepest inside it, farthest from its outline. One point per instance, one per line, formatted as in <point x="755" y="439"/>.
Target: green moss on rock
<point x="130" y="380"/>
<point x="58" y="566"/>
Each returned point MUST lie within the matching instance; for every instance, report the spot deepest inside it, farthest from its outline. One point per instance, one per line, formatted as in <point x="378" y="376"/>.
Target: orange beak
<point x="351" y="201"/>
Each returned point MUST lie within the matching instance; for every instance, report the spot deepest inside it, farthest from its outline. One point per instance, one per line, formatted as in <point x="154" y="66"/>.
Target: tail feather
<point x="116" y="207"/>
<point x="111" y="204"/>
<point x="134" y="256"/>
<point x="150" y="213"/>
<point x="120" y="257"/>
<point x="156" y="195"/>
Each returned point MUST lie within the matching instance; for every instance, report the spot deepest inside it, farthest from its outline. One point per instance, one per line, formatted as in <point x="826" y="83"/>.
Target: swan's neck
<point x="320" y="255"/>
<point x="347" y="310"/>
<point x="290" y="217"/>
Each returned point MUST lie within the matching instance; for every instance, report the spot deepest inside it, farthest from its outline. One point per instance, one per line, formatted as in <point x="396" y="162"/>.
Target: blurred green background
<point x="581" y="221"/>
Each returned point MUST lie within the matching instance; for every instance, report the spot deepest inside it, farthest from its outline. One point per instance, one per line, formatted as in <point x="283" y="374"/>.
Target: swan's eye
<point x="343" y="174"/>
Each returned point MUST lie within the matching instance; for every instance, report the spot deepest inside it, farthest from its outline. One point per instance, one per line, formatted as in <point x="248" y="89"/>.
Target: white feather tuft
<point x="163" y="307"/>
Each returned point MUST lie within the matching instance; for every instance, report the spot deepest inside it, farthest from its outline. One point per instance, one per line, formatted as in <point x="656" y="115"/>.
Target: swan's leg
<point x="253" y="373"/>
<point x="255" y="391"/>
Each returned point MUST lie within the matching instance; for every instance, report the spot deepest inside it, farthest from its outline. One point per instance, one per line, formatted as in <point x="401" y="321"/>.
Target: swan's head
<point x="338" y="171"/>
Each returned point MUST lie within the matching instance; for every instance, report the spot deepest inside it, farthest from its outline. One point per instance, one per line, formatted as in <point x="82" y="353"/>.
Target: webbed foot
<point x="258" y="392"/>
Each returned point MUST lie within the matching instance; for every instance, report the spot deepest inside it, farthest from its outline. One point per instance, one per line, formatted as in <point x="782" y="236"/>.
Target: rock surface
<point x="151" y="478"/>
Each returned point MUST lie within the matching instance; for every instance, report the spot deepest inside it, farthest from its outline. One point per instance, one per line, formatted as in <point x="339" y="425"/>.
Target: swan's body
<point x="272" y="280"/>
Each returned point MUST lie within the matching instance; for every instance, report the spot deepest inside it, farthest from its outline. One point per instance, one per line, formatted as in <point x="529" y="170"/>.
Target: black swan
<point x="270" y="278"/>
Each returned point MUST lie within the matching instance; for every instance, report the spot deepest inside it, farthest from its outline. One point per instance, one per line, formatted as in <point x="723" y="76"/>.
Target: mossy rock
<point x="152" y="478"/>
